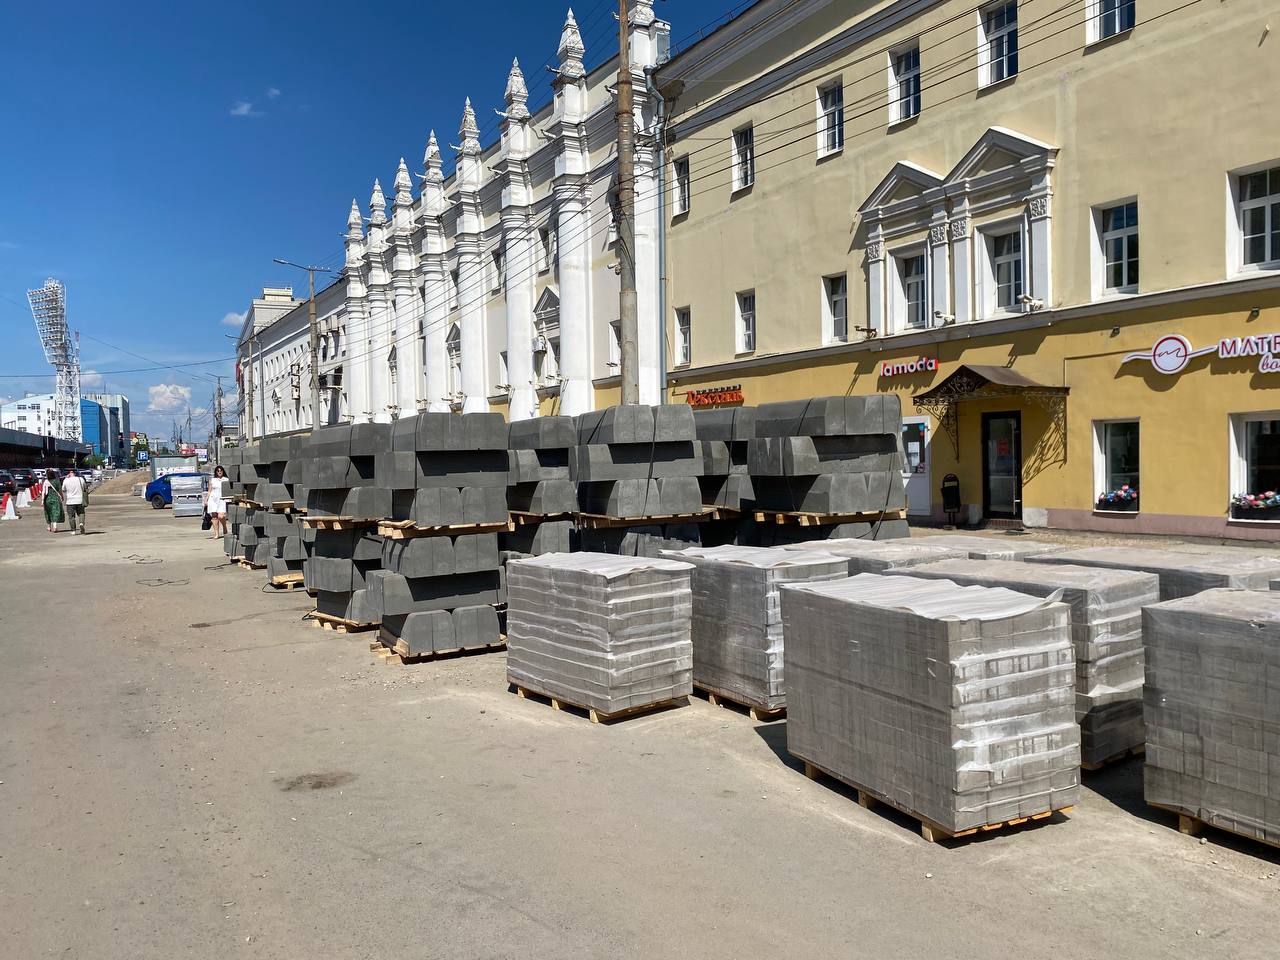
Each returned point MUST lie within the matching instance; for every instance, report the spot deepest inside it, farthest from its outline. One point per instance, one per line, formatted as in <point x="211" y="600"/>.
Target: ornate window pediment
<point x="902" y="188"/>
<point x="546" y="313"/>
<point x="999" y="157"/>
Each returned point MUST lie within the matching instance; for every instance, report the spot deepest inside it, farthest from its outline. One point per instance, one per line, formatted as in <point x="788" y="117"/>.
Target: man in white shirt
<point x="73" y="496"/>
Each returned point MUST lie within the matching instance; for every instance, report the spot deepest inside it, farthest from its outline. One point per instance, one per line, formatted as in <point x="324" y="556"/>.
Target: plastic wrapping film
<point x="1182" y="574"/>
<point x="600" y="631"/>
<point x="955" y="703"/>
<point x="880" y="556"/>
<point x="1106" y="632"/>
<point x="1213" y="724"/>
<point x="737" y="621"/>
<point x="994" y="548"/>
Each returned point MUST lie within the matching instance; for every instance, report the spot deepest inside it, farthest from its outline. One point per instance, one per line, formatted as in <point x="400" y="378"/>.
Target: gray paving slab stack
<point x="737" y="621"/>
<point x="539" y="488"/>
<point x="994" y="548"/>
<point x="284" y="457"/>
<point x="600" y="631"/>
<point x="1106" y="630"/>
<point x="1181" y="574"/>
<point x="188" y="496"/>
<point x="336" y="569"/>
<point x="1213" y="728"/>
<point x="340" y="475"/>
<point x="723" y="435"/>
<point x="956" y="704"/>
<point x="865" y="555"/>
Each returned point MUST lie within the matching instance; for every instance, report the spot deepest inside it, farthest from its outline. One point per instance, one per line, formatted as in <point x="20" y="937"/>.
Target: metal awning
<point x="972" y="381"/>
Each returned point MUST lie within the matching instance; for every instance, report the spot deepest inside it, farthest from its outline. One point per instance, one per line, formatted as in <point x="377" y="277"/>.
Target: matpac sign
<point x="904" y="368"/>
<point x="1171" y="353"/>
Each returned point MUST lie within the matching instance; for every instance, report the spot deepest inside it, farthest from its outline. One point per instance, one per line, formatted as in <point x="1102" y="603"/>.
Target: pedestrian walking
<point x="75" y="495"/>
<point x="215" y="501"/>
<point x="53" y="513"/>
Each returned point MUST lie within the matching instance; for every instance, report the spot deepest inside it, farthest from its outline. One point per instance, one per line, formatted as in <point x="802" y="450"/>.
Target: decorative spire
<point x="355" y="226"/>
<point x="469" y="131"/>
<point x="571" y="51"/>
<point x="404" y="186"/>
<point x="517" y="94"/>
<point x="641" y="14"/>
<point x="431" y="161"/>
<point x="377" y="205"/>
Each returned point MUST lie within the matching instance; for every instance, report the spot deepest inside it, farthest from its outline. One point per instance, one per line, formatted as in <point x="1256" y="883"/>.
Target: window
<point x="453" y="347"/>
<point x="544" y="249"/>
<point x="453" y="289"/>
<point x="615" y="343"/>
<point x="999" y="48"/>
<point x="1109" y="17"/>
<point x="1005" y="253"/>
<point x="904" y="91"/>
<point x="546" y="363"/>
<point x="1255" y="468"/>
<point x="831" y="118"/>
<point x="1120" y="248"/>
<point x="499" y="269"/>
<point x="836" y="313"/>
<point x="915" y="292"/>
<point x="746" y="304"/>
<point x="1259" y="206"/>
<point x="1116" y="464"/>
<point x="682" y="185"/>
<point x="684" y="337"/>
<point x="744" y="158"/>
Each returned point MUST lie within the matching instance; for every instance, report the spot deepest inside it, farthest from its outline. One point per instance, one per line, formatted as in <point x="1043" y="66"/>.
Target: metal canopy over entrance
<point x="981" y="382"/>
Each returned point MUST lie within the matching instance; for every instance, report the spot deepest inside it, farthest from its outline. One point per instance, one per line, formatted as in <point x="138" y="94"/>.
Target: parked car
<point x="24" y="476"/>
<point x="160" y="491"/>
<point x="7" y="483"/>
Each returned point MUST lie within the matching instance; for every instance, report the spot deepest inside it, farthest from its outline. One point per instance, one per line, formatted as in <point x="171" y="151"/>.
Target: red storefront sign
<point x="715" y="396"/>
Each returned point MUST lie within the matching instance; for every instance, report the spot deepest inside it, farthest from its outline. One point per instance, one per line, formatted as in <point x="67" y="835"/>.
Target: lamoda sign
<point x="1171" y="353"/>
<point x="904" y="368"/>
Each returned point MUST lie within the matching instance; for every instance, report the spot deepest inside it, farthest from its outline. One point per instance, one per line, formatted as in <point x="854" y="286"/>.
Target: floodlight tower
<point x="49" y="307"/>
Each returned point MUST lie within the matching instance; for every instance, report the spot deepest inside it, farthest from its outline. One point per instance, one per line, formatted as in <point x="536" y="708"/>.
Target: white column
<point x="435" y="280"/>
<point x="1040" y="213"/>
<point x="962" y="264"/>
<point x="939" y="266"/>
<point x="379" y="322"/>
<point x="517" y="196"/>
<point x="405" y="303"/>
<point x="471" y="280"/>
<point x="354" y="367"/>
<point x="875" y="282"/>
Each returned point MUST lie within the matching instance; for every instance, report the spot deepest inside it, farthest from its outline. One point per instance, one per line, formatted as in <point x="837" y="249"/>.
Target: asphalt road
<point x="187" y="769"/>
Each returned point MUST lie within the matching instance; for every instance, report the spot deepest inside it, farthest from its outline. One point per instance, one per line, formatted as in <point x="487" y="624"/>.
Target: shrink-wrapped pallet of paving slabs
<point x="993" y="548"/>
<point x="737" y="623"/>
<point x="1213" y="726"/>
<point x="598" y="631"/>
<point x="1182" y="574"/>
<point x="880" y="556"/>
<point x="1106" y="630"/>
<point x="956" y="704"/>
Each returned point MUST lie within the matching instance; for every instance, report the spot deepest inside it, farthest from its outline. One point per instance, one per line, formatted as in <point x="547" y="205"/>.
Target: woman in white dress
<point x="215" y="501"/>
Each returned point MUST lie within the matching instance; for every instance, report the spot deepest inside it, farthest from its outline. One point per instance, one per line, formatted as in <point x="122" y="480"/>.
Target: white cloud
<point x="90" y="380"/>
<point x="273" y="92"/>
<point x="244" y="108"/>
<point x="234" y="319"/>
<point x="168" y="398"/>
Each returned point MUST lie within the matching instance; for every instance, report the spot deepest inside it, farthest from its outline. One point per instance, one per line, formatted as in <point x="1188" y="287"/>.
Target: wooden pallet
<point x="282" y="506"/>
<point x="338" y="523"/>
<point x="932" y="832"/>
<point x="1193" y="825"/>
<point x="338" y="624"/>
<point x="596" y="716"/>
<point x="761" y="714"/>
<point x="802" y="519"/>
<point x="249" y="564"/>
<point x="394" y="650"/>
<point x="408" y="530"/>
<point x="519" y="518"/>
<point x="1138" y="751"/>
<point x="597" y="521"/>
<point x="287" y="581"/>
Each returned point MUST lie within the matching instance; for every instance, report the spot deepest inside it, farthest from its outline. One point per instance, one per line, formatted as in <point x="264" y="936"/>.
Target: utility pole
<point x="314" y="337"/>
<point x="627" y="309"/>
<point x="249" y="391"/>
<point x="217" y="414"/>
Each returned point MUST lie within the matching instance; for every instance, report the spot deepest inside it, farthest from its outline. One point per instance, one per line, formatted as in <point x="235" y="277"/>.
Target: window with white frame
<point x="1259" y="211"/>
<point x="1107" y="18"/>
<point x="998" y="51"/>
<point x="1115" y="459"/>
<point x="615" y="343"/>
<point x="544" y="249"/>
<point x="744" y="158"/>
<point x="912" y="300"/>
<point x="453" y="349"/>
<point x="684" y="336"/>
<point x="1119" y="232"/>
<point x="1255" y="468"/>
<point x="1005" y="269"/>
<point x="453" y="288"/>
<point x="504" y="374"/>
<point x="745" y="304"/>
<point x="836" y="308"/>
<point x="904" y="89"/>
<point x="683" y="196"/>
<point x="499" y="279"/>
<point x="831" y="118"/>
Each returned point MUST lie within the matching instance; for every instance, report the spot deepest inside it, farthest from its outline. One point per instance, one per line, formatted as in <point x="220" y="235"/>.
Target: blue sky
<point x="159" y="155"/>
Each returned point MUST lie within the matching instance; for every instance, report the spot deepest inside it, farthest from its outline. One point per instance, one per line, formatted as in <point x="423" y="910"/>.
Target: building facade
<point x="35" y="413"/>
<point x="944" y="202"/>
<point x="116" y="408"/>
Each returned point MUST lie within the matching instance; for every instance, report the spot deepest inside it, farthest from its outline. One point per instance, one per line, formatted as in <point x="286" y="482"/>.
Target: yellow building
<point x="945" y="201"/>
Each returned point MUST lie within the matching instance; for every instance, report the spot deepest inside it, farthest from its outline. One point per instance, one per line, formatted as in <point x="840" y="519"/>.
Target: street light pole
<point x="314" y="336"/>
<point x="628" y="321"/>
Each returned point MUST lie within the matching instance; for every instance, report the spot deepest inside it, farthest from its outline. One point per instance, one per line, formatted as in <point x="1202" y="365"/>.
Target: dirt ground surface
<point x="189" y="769"/>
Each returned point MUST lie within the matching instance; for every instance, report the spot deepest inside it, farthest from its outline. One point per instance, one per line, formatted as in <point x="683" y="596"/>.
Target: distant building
<point x="35" y="414"/>
<point x="116" y="406"/>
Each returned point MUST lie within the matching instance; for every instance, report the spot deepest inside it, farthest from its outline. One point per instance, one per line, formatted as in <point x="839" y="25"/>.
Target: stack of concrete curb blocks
<point x="956" y="704"/>
<point x="439" y="592"/>
<point x="339" y="475"/>
<point x="251" y="542"/>
<point x="539" y="484"/>
<point x="829" y="455"/>
<point x="723" y="435"/>
<point x="993" y="548"/>
<point x="1213" y="730"/>
<point x="283" y="534"/>
<point x="634" y="462"/>
<point x="1106" y="630"/>
<point x="337" y="571"/>
<point x="880" y="556"/>
<point x="1181" y="574"/>
<point x="291" y="475"/>
<point x="737" y="620"/>
<point x="599" y="631"/>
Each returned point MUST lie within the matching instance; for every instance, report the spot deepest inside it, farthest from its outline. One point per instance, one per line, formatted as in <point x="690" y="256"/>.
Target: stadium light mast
<point x="62" y="351"/>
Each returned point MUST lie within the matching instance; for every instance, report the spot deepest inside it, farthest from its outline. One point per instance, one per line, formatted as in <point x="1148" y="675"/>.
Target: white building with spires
<point x="496" y="287"/>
